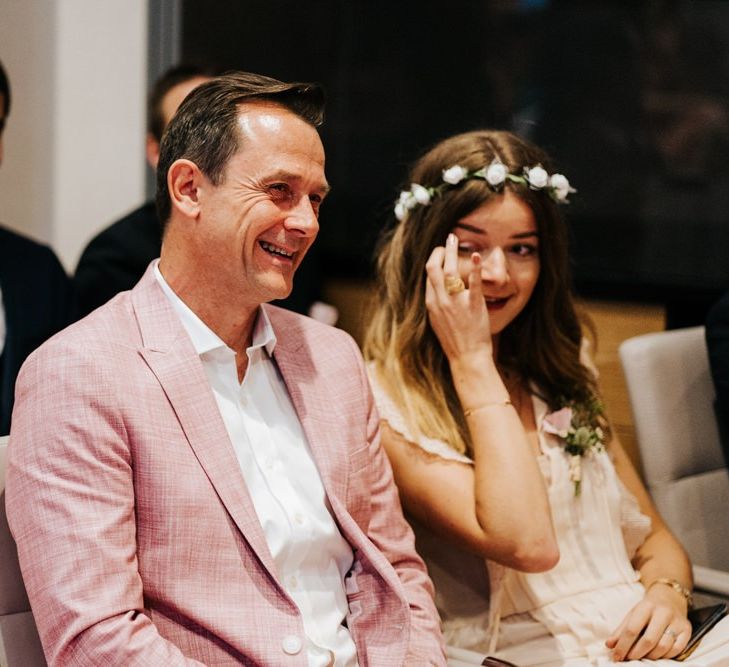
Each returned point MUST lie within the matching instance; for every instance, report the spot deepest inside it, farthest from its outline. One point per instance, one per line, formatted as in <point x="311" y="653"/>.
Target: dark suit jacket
<point x="37" y="300"/>
<point x="717" y="342"/>
<point x="118" y="256"/>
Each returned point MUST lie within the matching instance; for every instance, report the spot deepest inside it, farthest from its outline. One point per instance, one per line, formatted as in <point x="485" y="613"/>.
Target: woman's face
<point x="504" y="232"/>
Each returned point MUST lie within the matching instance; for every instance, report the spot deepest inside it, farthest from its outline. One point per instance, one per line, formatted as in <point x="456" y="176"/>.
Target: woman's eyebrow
<point x="470" y="228"/>
<point x="483" y="232"/>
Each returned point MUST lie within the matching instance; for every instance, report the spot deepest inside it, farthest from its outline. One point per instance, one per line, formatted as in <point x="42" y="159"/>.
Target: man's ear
<point x="151" y="149"/>
<point x="184" y="179"/>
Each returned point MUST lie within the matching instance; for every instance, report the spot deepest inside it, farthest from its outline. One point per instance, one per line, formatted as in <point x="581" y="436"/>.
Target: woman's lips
<point x="496" y="304"/>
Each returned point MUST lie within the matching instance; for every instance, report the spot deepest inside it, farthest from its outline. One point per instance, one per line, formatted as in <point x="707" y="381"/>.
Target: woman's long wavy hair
<point x="541" y="346"/>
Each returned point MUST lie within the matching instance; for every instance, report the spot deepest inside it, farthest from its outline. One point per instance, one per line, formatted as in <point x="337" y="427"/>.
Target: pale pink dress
<point x="560" y="617"/>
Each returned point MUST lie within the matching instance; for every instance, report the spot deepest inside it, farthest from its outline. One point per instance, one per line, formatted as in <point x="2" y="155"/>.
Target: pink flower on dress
<point x="558" y="423"/>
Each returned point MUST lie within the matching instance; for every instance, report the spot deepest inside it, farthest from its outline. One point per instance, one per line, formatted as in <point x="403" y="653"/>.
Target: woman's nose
<point x="495" y="267"/>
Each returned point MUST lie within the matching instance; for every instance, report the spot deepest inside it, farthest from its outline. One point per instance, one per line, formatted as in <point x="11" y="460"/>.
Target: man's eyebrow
<point x="477" y="230"/>
<point x="283" y="175"/>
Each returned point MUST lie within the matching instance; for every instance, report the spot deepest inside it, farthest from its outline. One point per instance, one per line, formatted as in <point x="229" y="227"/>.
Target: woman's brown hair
<point x="541" y="346"/>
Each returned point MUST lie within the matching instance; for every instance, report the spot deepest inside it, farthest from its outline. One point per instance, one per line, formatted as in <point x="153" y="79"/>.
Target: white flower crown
<point x="496" y="174"/>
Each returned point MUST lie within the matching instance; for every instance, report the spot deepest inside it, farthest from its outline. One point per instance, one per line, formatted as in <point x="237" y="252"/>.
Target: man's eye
<point x="280" y="189"/>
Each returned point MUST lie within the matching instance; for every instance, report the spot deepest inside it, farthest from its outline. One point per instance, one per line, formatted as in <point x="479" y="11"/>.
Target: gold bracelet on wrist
<point x="469" y="411"/>
<point x="677" y="586"/>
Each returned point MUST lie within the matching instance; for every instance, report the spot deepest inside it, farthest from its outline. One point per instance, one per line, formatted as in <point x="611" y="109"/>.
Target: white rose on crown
<point x="454" y="175"/>
<point x="496" y="173"/>
<point x="560" y="186"/>
<point x="420" y="194"/>
<point x="537" y="177"/>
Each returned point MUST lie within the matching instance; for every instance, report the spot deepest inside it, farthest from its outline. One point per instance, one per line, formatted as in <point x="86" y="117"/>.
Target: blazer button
<point x="291" y="644"/>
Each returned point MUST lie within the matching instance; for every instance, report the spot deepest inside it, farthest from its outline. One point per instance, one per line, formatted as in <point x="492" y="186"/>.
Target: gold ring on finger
<point x="454" y="284"/>
<point x="673" y="633"/>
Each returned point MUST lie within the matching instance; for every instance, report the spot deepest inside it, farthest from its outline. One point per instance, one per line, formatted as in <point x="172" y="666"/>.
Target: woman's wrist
<point x="675" y="585"/>
<point x="476" y="379"/>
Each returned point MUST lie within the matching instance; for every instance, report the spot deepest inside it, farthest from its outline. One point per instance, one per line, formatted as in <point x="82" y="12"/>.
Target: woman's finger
<point x="434" y="271"/>
<point x="629" y="630"/>
<point x="679" y="643"/>
<point x="450" y="262"/>
<point x="657" y="637"/>
<point x="475" y="294"/>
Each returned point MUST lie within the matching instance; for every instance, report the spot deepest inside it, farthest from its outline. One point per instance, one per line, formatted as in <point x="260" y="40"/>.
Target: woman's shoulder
<point x="392" y="413"/>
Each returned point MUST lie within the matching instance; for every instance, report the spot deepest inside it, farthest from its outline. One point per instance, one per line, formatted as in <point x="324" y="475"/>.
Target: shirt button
<point x="293" y="582"/>
<point x="299" y="518"/>
<point x="291" y="644"/>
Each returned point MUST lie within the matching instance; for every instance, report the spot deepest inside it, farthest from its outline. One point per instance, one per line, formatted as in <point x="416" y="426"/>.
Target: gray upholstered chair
<point x="19" y="642"/>
<point x="672" y="400"/>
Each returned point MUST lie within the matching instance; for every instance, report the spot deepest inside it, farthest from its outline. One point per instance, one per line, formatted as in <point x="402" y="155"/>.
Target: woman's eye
<point x="524" y="249"/>
<point x="466" y="250"/>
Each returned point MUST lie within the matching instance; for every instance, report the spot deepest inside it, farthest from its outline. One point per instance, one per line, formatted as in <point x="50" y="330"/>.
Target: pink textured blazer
<point x="137" y="539"/>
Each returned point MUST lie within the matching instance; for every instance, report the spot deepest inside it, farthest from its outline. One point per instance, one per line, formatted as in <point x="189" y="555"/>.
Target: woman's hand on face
<point x="460" y="320"/>
<point x="656" y="627"/>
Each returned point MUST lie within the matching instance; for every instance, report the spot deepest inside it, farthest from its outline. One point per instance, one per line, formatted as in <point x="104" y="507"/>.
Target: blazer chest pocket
<point x="359" y="459"/>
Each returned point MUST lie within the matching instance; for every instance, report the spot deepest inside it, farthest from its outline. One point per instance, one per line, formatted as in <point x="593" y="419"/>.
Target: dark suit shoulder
<point x="24" y="252"/>
<point x="138" y="231"/>
<point x="719" y="313"/>
<point x="117" y="257"/>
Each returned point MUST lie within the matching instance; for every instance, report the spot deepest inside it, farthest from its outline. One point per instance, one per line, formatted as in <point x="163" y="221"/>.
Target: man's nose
<point x="303" y="218"/>
<point x="495" y="267"/>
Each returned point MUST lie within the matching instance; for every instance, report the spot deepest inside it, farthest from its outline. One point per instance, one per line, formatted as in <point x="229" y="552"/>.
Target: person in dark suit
<point x="36" y="296"/>
<point x="717" y="342"/>
<point x="118" y="256"/>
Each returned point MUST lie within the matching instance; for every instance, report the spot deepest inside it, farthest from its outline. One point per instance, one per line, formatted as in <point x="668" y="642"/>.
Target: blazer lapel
<point x="171" y="356"/>
<point x="314" y="410"/>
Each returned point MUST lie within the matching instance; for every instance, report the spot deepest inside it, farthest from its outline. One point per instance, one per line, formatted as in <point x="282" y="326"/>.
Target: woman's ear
<point x="183" y="181"/>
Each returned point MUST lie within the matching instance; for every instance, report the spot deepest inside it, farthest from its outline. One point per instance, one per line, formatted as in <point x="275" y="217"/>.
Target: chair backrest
<point x="19" y="642"/>
<point x="672" y="399"/>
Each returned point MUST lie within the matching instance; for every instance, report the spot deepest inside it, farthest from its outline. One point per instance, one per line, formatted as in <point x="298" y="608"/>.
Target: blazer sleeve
<point x="391" y="533"/>
<point x="70" y="507"/>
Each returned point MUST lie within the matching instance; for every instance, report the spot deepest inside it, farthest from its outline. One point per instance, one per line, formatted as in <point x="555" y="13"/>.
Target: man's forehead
<point x="264" y="115"/>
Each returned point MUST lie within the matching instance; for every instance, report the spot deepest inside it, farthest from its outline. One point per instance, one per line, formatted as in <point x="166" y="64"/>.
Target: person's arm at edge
<point x="70" y="506"/>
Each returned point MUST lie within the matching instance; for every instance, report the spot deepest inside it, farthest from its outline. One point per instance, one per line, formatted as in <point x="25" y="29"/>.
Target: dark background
<point x="630" y="98"/>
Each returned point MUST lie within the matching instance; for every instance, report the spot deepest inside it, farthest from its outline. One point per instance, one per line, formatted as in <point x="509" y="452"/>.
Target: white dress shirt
<point x="311" y="556"/>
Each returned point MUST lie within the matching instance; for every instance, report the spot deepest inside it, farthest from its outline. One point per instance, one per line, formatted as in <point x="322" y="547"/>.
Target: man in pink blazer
<point x="196" y="477"/>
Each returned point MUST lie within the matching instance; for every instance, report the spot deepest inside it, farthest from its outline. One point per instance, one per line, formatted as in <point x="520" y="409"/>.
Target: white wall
<point x="74" y="143"/>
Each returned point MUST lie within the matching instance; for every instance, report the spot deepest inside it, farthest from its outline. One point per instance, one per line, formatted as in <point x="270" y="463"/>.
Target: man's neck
<point x="232" y="323"/>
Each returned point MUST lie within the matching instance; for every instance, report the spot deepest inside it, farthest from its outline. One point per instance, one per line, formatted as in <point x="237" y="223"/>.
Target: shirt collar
<point x="203" y="338"/>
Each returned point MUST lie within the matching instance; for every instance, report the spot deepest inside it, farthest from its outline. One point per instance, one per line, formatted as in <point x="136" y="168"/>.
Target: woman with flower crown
<point x="542" y="542"/>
